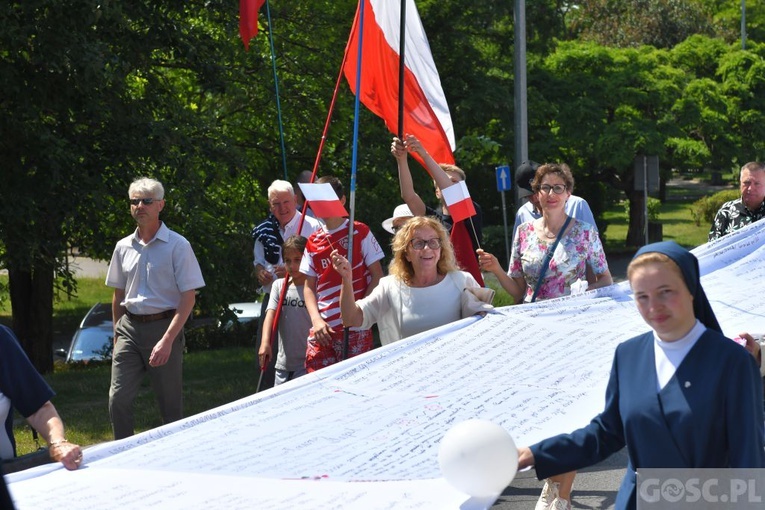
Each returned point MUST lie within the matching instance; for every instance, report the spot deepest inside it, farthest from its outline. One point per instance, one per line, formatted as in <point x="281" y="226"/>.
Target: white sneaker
<point x="560" y="504"/>
<point x="549" y="496"/>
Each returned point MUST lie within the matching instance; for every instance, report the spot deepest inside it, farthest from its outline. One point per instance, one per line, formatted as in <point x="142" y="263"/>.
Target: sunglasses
<point x="146" y="201"/>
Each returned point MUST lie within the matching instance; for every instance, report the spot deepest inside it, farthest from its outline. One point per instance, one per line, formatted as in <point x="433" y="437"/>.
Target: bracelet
<point x="56" y="444"/>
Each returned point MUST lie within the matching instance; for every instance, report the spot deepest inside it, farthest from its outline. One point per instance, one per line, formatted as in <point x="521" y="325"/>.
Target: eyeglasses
<point x="558" y="189"/>
<point x="395" y="228"/>
<point x="146" y="201"/>
<point x="420" y="244"/>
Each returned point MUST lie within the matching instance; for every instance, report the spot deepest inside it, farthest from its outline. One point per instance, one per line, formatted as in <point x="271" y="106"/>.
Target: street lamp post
<point x="519" y="67"/>
<point x="743" y="24"/>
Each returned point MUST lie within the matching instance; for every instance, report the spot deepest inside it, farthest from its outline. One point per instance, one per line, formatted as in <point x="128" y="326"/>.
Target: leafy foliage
<point x="704" y="209"/>
<point x="658" y="23"/>
<point x="653" y="208"/>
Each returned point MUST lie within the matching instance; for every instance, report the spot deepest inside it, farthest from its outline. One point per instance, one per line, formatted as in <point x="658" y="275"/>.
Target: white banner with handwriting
<point x="365" y="433"/>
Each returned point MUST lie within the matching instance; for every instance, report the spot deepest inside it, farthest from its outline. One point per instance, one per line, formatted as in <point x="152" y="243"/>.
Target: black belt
<point x="150" y="317"/>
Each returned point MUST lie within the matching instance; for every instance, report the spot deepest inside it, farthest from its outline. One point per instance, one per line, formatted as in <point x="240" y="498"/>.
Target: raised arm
<point x="408" y="195"/>
<point x="435" y="171"/>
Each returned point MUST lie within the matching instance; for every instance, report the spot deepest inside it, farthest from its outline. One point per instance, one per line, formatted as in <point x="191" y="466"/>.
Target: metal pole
<point x="276" y="90"/>
<point x="519" y="71"/>
<point x="743" y="24"/>
<point x="645" y="196"/>
<point x="354" y="159"/>
<point x="401" y="70"/>
<point x="507" y="237"/>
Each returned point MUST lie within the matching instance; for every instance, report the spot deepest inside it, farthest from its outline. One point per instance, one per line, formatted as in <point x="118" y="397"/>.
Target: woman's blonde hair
<point x="400" y="267"/>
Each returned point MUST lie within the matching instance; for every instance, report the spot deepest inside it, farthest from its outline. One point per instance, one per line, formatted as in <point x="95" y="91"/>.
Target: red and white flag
<point x="248" y="20"/>
<point x="461" y="207"/>
<point x="323" y="200"/>
<point x="426" y="112"/>
<point x="458" y="201"/>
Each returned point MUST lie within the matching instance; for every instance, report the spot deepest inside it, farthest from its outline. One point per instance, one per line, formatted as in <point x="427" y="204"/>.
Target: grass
<point x="675" y="216"/>
<point x="211" y="378"/>
<point x="68" y="311"/>
<point x="677" y="225"/>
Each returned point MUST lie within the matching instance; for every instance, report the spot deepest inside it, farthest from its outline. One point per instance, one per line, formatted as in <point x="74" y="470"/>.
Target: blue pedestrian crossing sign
<point x="504" y="182"/>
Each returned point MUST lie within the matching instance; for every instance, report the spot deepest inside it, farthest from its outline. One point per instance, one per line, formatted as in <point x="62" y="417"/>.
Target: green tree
<point x="98" y="93"/>
<point x="597" y="108"/>
<point x="659" y="23"/>
<point x="727" y="17"/>
<point x="720" y="113"/>
<point x="95" y="94"/>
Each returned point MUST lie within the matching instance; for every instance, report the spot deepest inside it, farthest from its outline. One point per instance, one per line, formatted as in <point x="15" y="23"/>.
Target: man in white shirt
<point x="155" y="274"/>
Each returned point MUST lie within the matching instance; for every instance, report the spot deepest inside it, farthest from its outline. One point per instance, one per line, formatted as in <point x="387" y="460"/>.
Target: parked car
<point x="245" y="312"/>
<point x="94" y="338"/>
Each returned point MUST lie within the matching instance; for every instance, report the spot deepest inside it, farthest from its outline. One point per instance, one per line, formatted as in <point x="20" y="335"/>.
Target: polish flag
<point x="458" y="201"/>
<point x="248" y="20"/>
<point x="426" y="113"/>
<point x="323" y="200"/>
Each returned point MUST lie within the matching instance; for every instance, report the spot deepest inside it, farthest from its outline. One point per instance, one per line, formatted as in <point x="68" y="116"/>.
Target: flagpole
<point x="352" y="208"/>
<point x="276" y="90"/>
<point x="401" y="69"/>
<point x="275" y="328"/>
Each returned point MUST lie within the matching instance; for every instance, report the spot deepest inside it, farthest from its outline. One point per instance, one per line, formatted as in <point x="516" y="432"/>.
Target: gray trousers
<point x="130" y="363"/>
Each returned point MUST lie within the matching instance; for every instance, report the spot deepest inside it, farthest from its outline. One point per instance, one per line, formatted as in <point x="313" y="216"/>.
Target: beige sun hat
<point x="401" y="211"/>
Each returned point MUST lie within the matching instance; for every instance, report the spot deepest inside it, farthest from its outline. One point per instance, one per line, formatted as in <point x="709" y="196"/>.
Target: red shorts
<point x="318" y="356"/>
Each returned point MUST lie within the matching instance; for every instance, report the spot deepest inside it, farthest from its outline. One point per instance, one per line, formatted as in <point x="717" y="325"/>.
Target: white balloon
<point x="478" y="457"/>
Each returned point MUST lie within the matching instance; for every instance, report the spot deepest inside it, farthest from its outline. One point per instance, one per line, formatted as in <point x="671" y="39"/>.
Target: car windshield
<point x="92" y="343"/>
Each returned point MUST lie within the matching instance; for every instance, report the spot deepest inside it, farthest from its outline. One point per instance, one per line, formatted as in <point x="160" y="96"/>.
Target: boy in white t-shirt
<point x="294" y="320"/>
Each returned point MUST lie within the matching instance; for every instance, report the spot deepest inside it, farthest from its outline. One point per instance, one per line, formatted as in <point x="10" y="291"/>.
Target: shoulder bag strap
<point x="548" y="258"/>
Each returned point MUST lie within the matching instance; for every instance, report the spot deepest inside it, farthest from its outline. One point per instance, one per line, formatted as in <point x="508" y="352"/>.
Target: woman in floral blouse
<point x="578" y="260"/>
<point x="579" y="256"/>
